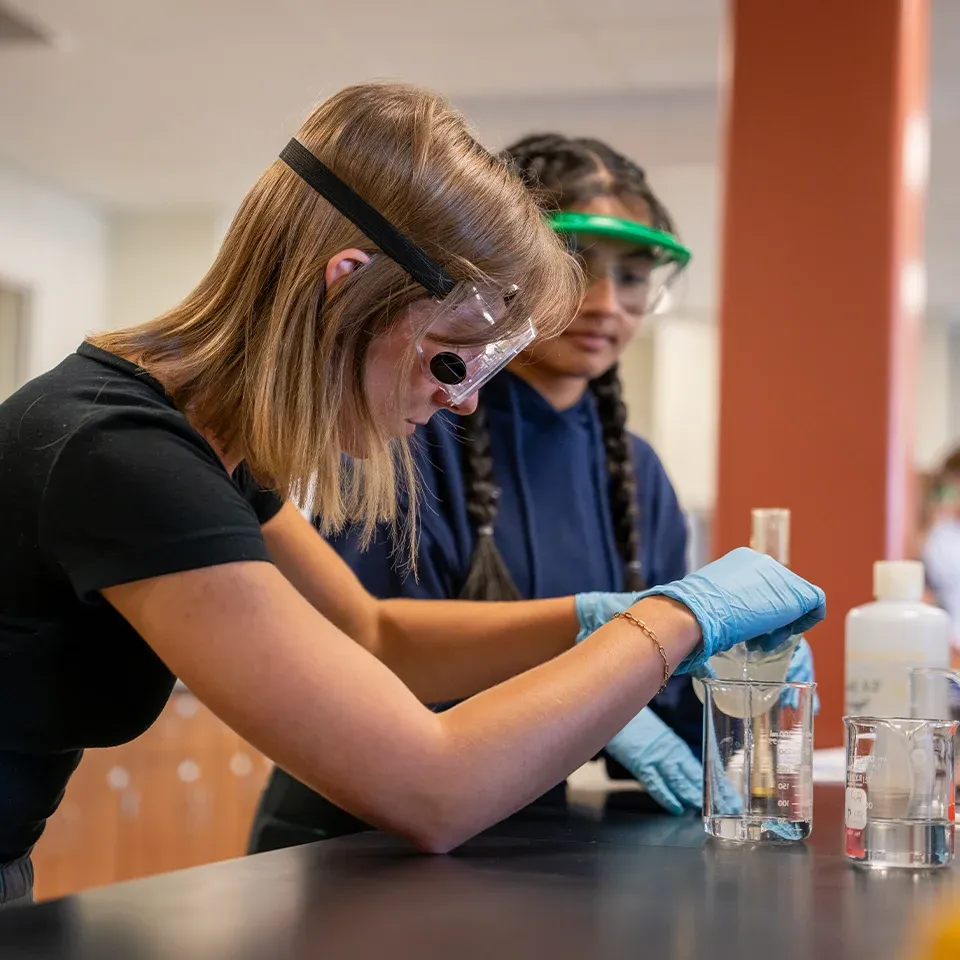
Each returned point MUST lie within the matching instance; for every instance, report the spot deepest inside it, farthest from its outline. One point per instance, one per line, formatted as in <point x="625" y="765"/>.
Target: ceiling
<point x="183" y="101"/>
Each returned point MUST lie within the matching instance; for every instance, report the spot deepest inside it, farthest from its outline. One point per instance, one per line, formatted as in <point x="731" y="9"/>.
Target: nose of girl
<point x="463" y="409"/>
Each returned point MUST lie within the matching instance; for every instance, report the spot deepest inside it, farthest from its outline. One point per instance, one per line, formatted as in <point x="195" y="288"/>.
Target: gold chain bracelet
<point x="637" y="622"/>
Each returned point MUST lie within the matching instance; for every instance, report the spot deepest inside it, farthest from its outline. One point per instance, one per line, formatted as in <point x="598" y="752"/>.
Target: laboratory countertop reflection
<point x="599" y="876"/>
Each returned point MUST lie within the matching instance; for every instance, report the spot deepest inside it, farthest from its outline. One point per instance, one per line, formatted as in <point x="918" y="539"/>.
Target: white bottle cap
<point x="898" y="580"/>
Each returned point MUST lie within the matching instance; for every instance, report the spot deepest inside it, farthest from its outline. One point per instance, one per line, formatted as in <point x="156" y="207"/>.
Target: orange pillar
<point x="825" y="122"/>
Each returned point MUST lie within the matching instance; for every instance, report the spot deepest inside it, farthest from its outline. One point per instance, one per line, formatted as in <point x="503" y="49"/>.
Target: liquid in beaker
<point x="758" y="760"/>
<point x="900" y="800"/>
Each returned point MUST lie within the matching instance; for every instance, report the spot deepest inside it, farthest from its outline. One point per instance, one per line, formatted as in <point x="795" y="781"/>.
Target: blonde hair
<point x="263" y="357"/>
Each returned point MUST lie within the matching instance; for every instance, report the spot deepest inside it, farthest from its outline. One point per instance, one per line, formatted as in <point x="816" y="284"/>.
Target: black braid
<point x="488" y="578"/>
<point x="623" y="479"/>
<point x="564" y="172"/>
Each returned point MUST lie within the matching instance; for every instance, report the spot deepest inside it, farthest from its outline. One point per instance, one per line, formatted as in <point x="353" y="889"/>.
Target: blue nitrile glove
<point x="660" y="760"/>
<point x="801" y="671"/>
<point x="743" y="596"/>
<point x="801" y="664"/>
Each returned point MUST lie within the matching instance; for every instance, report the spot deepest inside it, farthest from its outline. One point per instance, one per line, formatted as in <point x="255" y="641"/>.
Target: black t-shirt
<point x="104" y="483"/>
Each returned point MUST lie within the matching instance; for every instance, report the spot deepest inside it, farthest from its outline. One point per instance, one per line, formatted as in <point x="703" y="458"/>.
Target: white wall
<point x="54" y="245"/>
<point x="933" y="427"/>
<point x="656" y="130"/>
<point x="14" y="344"/>
<point x="671" y="374"/>
<point x="692" y="194"/>
<point x="938" y="427"/>
<point x="85" y="270"/>
<point x="685" y="405"/>
<point x="942" y="219"/>
<point x="156" y="258"/>
<point x="953" y="400"/>
<point x="636" y="375"/>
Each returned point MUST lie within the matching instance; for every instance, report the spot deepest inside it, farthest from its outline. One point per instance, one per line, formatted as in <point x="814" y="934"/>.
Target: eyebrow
<point x="641" y="253"/>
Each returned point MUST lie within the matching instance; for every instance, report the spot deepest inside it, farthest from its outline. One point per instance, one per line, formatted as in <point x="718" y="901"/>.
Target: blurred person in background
<point x="381" y="269"/>
<point x="542" y="491"/>
<point x="940" y="548"/>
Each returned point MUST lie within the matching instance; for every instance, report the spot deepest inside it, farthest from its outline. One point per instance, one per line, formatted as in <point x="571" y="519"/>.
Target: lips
<point x="589" y="340"/>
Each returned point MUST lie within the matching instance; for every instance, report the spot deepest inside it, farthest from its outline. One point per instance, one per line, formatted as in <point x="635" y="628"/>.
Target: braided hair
<point x="564" y="172"/>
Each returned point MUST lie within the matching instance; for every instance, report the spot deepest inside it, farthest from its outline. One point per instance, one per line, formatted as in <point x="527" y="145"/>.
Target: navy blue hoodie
<point x="554" y="529"/>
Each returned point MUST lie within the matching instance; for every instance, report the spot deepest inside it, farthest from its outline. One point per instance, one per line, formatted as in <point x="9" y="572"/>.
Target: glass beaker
<point x="900" y="800"/>
<point x="758" y="760"/>
<point x="935" y="695"/>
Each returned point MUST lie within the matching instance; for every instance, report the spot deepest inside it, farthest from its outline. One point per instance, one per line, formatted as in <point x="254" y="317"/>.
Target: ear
<point x="343" y="263"/>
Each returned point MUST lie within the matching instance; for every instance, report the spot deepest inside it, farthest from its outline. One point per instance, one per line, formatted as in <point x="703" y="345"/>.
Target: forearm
<point x="253" y="649"/>
<point x="452" y="649"/>
<point x="552" y="719"/>
<point x="441" y="649"/>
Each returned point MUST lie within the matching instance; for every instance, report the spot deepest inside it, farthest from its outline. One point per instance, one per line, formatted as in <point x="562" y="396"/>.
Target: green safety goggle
<point x="642" y="277"/>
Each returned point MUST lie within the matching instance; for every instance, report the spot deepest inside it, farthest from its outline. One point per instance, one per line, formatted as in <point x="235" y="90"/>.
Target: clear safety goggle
<point x="642" y="265"/>
<point x="461" y="350"/>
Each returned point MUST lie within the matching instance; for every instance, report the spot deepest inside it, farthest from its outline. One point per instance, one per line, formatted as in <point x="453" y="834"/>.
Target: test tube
<point x="770" y="533"/>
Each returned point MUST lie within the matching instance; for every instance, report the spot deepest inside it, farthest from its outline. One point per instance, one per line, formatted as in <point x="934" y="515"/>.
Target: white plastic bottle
<point x="887" y="638"/>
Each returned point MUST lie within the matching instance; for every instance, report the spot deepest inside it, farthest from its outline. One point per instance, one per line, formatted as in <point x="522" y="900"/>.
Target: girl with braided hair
<point x="542" y="491"/>
<point x="580" y="367"/>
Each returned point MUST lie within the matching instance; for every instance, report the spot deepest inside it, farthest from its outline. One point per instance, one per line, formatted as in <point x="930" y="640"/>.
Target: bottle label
<point x="855" y="806"/>
<point x="855" y="815"/>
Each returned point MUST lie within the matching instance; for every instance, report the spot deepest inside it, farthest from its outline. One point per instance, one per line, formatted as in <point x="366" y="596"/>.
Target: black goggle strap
<point x="401" y="249"/>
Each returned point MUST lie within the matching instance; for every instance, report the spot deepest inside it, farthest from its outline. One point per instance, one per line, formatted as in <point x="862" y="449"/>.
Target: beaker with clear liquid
<point x="900" y="792"/>
<point x="758" y="760"/>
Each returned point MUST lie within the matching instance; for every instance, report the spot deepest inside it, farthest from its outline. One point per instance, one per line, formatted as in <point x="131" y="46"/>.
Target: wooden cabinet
<point x="181" y="795"/>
